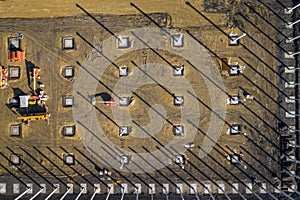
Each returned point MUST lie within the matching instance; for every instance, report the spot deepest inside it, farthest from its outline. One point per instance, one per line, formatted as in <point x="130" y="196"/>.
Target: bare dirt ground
<point x="44" y="24"/>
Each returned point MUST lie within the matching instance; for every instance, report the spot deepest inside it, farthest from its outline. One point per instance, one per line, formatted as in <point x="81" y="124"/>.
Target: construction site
<point x="151" y="99"/>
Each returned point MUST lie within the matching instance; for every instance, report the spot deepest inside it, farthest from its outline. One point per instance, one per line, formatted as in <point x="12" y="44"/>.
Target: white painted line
<point x="236" y="186"/>
<point x="263" y="188"/>
<point x="290" y="99"/>
<point x="71" y="186"/>
<point x="139" y="188"/>
<point x="125" y="186"/>
<point x="112" y="191"/>
<point x="207" y="188"/>
<point x="289" y="84"/>
<point x="220" y="188"/>
<point x="193" y="188"/>
<point x="16" y="188"/>
<point x="249" y="190"/>
<point x="2" y="188"/>
<point x="84" y="186"/>
<point x="97" y="188"/>
<point x="57" y="188"/>
<point x="31" y="188"/>
<point x="43" y="185"/>
<point x="179" y="188"/>
<point x="166" y="188"/>
<point x="152" y="185"/>
<point x="290" y="70"/>
<point x="290" y="114"/>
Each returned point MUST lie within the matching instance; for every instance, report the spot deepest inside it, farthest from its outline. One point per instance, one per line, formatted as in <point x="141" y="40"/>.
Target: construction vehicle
<point x="3" y="77"/>
<point x="15" y="53"/>
<point x="38" y="95"/>
<point x="35" y="75"/>
<point x="29" y="118"/>
<point x="110" y="102"/>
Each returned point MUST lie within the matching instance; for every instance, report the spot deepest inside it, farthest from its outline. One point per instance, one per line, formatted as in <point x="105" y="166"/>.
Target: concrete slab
<point x="248" y="190"/>
<point x="290" y="99"/>
<point x="16" y="188"/>
<point x="15" y="159"/>
<point x="84" y="186"/>
<point x="13" y="72"/>
<point x="69" y="159"/>
<point x="97" y="188"/>
<point x="15" y="130"/>
<point x="58" y="188"/>
<point x="112" y="190"/>
<point x="124" y="101"/>
<point x="289" y="55"/>
<point x="123" y="71"/>
<point x="290" y="114"/>
<point x="178" y="70"/>
<point x="71" y="186"/>
<point x="292" y="188"/>
<point x="263" y="188"/>
<point x="276" y="190"/>
<point x="68" y="71"/>
<point x="235" y="185"/>
<point x="68" y="131"/>
<point x="178" y="130"/>
<point x="178" y="100"/>
<point x="14" y="43"/>
<point x="207" y="188"/>
<point x="67" y="101"/>
<point x="290" y="70"/>
<point x="139" y="188"/>
<point x="179" y="188"/>
<point x="123" y="42"/>
<point x="2" y="188"/>
<point x="289" y="84"/>
<point x="30" y="185"/>
<point x="151" y="188"/>
<point x="221" y="185"/>
<point x="43" y="185"/>
<point x="193" y="188"/>
<point x="125" y="186"/>
<point x="178" y="40"/>
<point x="166" y="188"/>
<point x="68" y="42"/>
